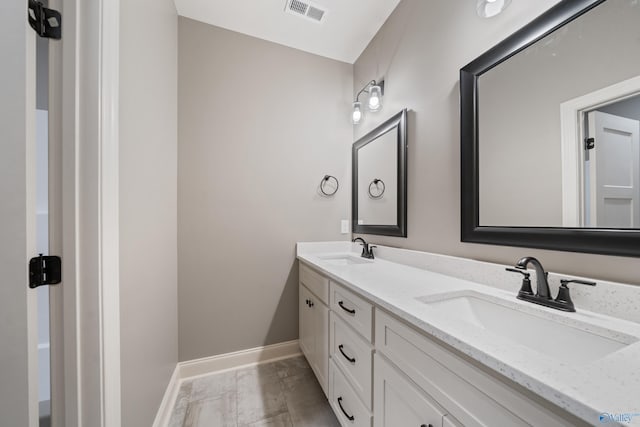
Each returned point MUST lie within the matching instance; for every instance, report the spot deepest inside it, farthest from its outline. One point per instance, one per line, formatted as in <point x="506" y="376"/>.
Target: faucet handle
<point x="525" y="273"/>
<point x="564" y="297"/>
<point x="525" y="289"/>
<point x="565" y="282"/>
<point x="371" y="251"/>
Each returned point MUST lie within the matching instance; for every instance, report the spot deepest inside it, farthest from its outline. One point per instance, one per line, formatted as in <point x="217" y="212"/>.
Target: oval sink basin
<point x="574" y="341"/>
<point x="345" y="259"/>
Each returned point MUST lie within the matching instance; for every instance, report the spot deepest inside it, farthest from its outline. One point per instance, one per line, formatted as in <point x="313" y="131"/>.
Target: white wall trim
<point x="572" y="125"/>
<point x="252" y="356"/>
<point x="222" y="362"/>
<point x="109" y="228"/>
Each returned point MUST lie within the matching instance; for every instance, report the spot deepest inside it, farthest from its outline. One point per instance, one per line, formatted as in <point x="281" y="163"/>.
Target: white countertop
<point x="610" y="384"/>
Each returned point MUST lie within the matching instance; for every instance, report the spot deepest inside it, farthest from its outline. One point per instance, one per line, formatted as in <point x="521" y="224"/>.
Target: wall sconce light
<point x="489" y="8"/>
<point x="375" y="90"/>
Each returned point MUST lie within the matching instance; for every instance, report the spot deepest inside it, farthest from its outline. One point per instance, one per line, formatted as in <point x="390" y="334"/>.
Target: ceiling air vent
<point x="315" y="13"/>
<point x="306" y="9"/>
<point x="296" y="6"/>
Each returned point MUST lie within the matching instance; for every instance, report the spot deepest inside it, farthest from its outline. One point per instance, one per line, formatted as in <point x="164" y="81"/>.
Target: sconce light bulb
<point x="374" y="98"/>
<point x="356" y="115"/>
<point x="374" y="102"/>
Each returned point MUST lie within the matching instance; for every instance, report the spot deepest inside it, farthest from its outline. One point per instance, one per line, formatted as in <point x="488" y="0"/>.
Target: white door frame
<point x="18" y="303"/>
<point x="572" y="144"/>
<point x="84" y="98"/>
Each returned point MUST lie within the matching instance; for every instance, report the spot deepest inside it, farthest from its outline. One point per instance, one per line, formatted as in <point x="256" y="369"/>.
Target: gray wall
<point x="259" y="126"/>
<point x="519" y="115"/>
<point x="629" y="108"/>
<point x="419" y="51"/>
<point x="148" y="210"/>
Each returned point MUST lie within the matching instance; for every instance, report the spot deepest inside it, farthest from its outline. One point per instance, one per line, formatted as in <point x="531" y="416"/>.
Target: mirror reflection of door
<point x="612" y="166"/>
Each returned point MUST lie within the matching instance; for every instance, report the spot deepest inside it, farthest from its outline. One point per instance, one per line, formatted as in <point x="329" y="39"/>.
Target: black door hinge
<point x="46" y="22"/>
<point x="589" y="143"/>
<point x="45" y="270"/>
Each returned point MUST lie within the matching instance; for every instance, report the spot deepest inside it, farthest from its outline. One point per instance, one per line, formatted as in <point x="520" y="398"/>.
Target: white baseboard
<point x="221" y="362"/>
<point x="252" y="356"/>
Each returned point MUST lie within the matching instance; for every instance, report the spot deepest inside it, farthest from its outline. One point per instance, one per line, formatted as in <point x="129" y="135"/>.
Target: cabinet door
<point x="398" y="402"/>
<point x="314" y="334"/>
<point x="306" y="325"/>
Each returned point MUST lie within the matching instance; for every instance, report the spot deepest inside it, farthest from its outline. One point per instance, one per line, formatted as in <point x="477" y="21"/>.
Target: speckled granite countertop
<point x="585" y="389"/>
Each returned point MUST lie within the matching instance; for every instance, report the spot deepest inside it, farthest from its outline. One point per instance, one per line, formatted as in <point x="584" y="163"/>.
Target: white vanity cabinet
<point x="470" y="395"/>
<point x="314" y="323"/>
<point x="378" y="370"/>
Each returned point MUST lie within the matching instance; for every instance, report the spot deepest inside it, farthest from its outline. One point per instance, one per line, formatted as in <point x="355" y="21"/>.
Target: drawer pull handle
<point x="350" y="311"/>
<point x="349" y="417"/>
<point x="424" y="425"/>
<point x="352" y="360"/>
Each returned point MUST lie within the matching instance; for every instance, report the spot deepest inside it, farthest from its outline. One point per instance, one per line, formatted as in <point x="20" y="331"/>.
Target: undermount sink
<point x="574" y="341"/>
<point x="345" y="259"/>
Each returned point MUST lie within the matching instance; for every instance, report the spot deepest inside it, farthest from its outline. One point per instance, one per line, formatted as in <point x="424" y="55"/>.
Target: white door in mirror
<point x="614" y="172"/>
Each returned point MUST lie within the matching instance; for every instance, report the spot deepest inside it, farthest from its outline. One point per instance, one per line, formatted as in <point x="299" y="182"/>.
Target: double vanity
<point x="426" y="340"/>
<point x="395" y="345"/>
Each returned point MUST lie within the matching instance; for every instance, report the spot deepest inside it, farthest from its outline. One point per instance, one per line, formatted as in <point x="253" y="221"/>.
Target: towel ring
<point x="324" y="181"/>
<point x="375" y="185"/>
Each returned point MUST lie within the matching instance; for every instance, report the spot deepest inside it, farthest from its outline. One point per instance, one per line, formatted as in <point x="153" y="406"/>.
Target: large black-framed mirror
<point x="379" y="179"/>
<point x="533" y="68"/>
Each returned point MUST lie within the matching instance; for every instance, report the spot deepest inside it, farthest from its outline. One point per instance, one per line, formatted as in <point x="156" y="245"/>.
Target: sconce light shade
<point x="356" y="114"/>
<point x="489" y="8"/>
<point x="375" y="98"/>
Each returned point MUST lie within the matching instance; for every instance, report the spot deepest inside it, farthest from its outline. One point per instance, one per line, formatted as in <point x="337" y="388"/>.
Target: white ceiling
<point x="346" y="29"/>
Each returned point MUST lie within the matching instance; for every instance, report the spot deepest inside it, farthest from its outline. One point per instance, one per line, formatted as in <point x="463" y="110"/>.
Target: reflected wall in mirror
<point x="379" y="179"/>
<point x="550" y="124"/>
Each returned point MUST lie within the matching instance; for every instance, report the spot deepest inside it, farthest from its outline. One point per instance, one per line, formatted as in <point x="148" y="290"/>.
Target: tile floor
<point x="277" y="394"/>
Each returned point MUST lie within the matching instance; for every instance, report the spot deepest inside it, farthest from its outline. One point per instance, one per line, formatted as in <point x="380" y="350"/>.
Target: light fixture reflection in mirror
<point x="490" y="8"/>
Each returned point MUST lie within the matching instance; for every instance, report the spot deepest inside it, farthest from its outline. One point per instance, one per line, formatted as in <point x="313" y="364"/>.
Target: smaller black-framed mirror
<point x="379" y="181"/>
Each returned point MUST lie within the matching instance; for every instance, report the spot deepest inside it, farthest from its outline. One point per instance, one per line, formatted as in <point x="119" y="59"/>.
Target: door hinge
<point x="46" y="22"/>
<point x="589" y="143"/>
<point x="45" y="270"/>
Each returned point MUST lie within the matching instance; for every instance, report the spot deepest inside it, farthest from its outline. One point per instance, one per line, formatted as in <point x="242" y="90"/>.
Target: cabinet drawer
<point x="353" y="355"/>
<point x="398" y="402"/>
<point x="315" y="282"/>
<point x="353" y="309"/>
<point x="471" y="395"/>
<point x="344" y="401"/>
